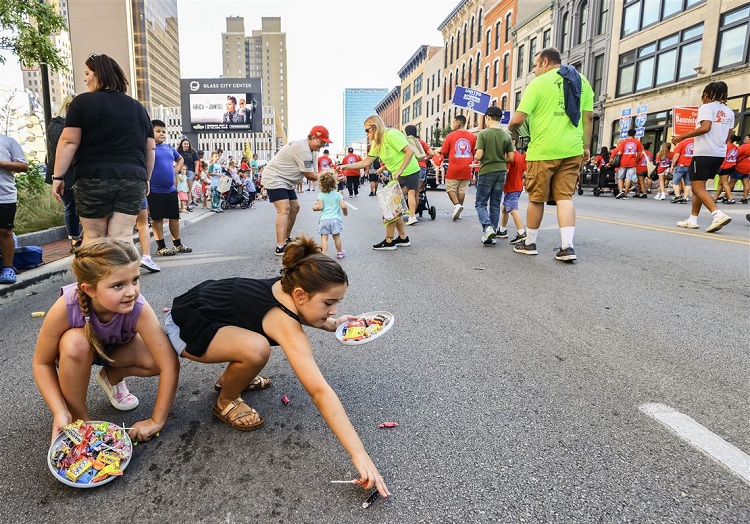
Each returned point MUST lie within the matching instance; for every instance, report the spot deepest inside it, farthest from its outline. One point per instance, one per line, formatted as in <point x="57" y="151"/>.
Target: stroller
<point x="422" y="203"/>
<point x="236" y="196"/>
<point x="606" y="180"/>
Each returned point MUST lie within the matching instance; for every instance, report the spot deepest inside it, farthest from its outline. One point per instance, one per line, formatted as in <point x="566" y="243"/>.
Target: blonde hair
<point x="92" y="263"/>
<point x="306" y="267"/>
<point x="64" y="105"/>
<point x="380" y="129"/>
<point x="329" y="180"/>
<point x="665" y="148"/>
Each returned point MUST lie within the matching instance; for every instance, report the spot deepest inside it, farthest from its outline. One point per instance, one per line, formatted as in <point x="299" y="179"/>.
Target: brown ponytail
<point x="307" y="268"/>
<point x="92" y="263"/>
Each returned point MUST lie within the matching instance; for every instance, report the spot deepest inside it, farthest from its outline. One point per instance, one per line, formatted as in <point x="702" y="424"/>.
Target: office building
<point x="358" y="105"/>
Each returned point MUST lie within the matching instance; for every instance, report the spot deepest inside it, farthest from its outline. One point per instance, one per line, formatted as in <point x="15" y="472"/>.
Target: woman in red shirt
<point x="663" y="162"/>
<point x="726" y="169"/>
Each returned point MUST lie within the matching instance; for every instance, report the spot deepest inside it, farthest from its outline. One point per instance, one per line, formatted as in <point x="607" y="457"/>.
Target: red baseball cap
<point x="322" y="133"/>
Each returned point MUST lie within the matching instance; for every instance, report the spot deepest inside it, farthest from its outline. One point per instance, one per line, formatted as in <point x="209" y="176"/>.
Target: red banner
<point x="684" y="119"/>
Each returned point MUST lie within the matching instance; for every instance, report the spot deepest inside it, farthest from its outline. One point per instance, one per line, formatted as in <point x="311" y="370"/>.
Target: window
<point x="465" y="31"/>
<point x="451" y="50"/>
<point x="506" y="66"/>
<point x="418" y="84"/>
<point x="519" y="65"/>
<point x="486" y="77"/>
<point x="417" y="107"/>
<point x="504" y="102"/>
<point x="596" y="85"/>
<point x="564" y="32"/>
<point x="518" y="99"/>
<point x="507" y="27"/>
<point x="583" y="19"/>
<point x="477" y="65"/>
<point x="546" y="38"/>
<point x="638" y="14"/>
<point x="732" y="44"/>
<point x="445" y="56"/>
<point x="603" y="19"/>
<point x="664" y="61"/>
<point x="479" y="26"/>
<point x="495" y="72"/>
<point x="405" y="115"/>
<point x="407" y="93"/>
<point x="471" y="68"/>
<point x="463" y="75"/>
<point x="471" y="35"/>
<point x="487" y="42"/>
<point x="532" y="53"/>
<point x="458" y="44"/>
<point x="497" y="36"/>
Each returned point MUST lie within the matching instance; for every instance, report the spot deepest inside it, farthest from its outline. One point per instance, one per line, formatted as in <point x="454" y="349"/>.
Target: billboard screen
<point x="221" y="104"/>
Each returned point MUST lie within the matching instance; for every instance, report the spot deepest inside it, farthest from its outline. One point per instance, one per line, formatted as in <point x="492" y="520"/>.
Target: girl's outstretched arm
<point x="166" y="360"/>
<point x="44" y="367"/>
<point x="289" y="334"/>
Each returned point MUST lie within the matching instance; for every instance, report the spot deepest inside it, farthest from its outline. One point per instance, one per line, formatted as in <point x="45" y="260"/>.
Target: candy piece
<point x="77" y="469"/>
<point x="372" y="498"/>
<point x="74" y="435"/>
<point x="285" y="400"/>
<point x="109" y="470"/>
<point x="37" y="314"/>
<point x="388" y="425"/>
<point x="108" y="457"/>
<point x="165" y="309"/>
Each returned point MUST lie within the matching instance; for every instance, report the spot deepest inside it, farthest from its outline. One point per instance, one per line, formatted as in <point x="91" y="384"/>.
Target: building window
<point x="471" y="68"/>
<point x="564" y="32"/>
<point x="417" y="84"/>
<point x="495" y="72"/>
<point x="504" y="102"/>
<point x="583" y="19"/>
<point x="519" y="65"/>
<point x="405" y="115"/>
<point x="463" y="74"/>
<point x="479" y="26"/>
<point x="417" y="107"/>
<point x="471" y="35"/>
<point x="506" y="66"/>
<point x="477" y="65"/>
<point x="664" y="61"/>
<point x="486" y="77"/>
<point x="532" y="53"/>
<point x="487" y="42"/>
<point x="732" y="46"/>
<point x="497" y="36"/>
<point x="518" y="99"/>
<point x="638" y="14"/>
<point x="445" y="56"/>
<point x="546" y="38"/>
<point x="507" y="27"/>
<point x="407" y="93"/>
<point x="465" y="31"/>
<point x="596" y="85"/>
<point x="458" y="44"/>
<point x="451" y="50"/>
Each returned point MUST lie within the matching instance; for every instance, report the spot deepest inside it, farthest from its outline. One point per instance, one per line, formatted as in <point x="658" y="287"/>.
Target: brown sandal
<point x="257" y="384"/>
<point x="230" y="418"/>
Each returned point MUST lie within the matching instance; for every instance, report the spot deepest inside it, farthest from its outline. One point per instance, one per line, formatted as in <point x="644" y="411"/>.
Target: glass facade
<point x="358" y="105"/>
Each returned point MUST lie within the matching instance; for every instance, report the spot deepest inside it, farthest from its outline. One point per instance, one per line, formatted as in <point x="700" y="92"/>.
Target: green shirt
<point x="494" y="143"/>
<point x="553" y="136"/>
<point x="391" y="152"/>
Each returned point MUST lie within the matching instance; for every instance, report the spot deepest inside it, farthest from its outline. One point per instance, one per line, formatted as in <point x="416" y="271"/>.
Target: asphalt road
<point x="517" y="382"/>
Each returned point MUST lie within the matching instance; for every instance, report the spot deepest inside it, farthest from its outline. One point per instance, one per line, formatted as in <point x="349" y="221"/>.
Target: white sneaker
<point x="411" y="221"/>
<point x="149" y="264"/>
<point x="119" y="395"/>
<point x="657" y="196"/>
<point x="720" y="221"/>
<point x="488" y="236"/>
<point x="457" y="209"/>
<point x="687" y="224"/>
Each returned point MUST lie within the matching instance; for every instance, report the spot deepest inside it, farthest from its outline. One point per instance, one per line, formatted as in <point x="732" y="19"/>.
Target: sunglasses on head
<point x="92" y="56"/>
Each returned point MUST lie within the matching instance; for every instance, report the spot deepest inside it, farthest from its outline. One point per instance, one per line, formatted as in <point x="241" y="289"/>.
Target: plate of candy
<point x="89" y="454"/>
<point x="366" y="328"/>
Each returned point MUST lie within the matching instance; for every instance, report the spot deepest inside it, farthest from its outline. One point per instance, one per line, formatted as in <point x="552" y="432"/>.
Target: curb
<point x="40" y="238"/>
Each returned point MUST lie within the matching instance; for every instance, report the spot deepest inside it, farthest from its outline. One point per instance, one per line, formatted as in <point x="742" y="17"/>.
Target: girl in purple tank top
<point x="103" y="319"/>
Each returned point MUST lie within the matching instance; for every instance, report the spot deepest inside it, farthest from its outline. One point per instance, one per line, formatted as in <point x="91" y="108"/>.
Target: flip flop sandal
<point x="233" y="412"/>
<point x="257" y="384"/>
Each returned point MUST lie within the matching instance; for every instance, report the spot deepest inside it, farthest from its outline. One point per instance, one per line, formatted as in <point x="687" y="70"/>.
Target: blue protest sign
<point x="506" y="118"/>
<point x="471" y="99"/>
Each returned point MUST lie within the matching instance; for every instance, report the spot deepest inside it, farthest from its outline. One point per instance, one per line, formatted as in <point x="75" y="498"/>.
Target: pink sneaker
<point x="119" y="396"/>
<point x="341" y="254"/>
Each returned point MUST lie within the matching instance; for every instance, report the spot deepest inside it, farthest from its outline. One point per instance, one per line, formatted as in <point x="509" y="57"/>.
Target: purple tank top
<point x="119" y="330"/>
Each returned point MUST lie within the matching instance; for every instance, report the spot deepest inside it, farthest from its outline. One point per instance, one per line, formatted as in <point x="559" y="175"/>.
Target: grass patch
<point x="37" y="208"/>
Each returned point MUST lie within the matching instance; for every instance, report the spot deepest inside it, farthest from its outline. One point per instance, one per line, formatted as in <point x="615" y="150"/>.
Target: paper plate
<point x="84" y="481"/>
<point x="390" y="320"/>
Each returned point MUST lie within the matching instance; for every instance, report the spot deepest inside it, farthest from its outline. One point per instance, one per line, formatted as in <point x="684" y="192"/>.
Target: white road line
<point x="701" y="438"/>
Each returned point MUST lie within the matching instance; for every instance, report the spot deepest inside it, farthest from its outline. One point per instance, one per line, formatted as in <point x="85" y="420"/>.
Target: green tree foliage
<point x="26" y="27"/>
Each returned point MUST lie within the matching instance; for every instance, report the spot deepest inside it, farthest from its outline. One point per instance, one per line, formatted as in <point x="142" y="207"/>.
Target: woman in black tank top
<point x="237" y="320"/>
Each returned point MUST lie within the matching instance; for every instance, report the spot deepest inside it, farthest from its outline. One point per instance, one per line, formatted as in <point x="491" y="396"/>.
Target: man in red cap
<point x="293" y="163"/>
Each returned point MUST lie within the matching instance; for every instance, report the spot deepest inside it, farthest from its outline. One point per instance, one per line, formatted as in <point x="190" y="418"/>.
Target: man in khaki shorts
<point x="559" y="104"/>
<point x="459" y="146"/>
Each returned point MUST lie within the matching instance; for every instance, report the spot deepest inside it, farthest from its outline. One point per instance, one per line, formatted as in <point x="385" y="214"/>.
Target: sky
<point x="331" y="46"/>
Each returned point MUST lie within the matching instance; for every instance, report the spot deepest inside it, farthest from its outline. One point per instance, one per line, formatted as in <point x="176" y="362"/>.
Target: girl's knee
<point x="257" y="354"/>
<point x="75" y="347"/>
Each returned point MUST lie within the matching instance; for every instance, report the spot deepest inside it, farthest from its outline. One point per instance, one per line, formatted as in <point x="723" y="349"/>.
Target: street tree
<point x="25" y="30"/>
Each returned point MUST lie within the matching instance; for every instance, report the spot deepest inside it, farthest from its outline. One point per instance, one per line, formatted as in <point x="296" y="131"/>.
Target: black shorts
<point x="164" y="205"/>
<point x="281" y="194"/>
<point x="726" y="172"/>
<point x="8" y="215"/>
<point x="342" y="185"/>
<point x="373" y="177"/>
<point x="410" y="181"/>
<point x="101" y="197"/>
<point x="704" y="167"/>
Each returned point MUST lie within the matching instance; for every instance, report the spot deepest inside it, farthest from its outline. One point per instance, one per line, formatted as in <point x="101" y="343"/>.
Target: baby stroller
<point x="607" y="180"/>
<point x="236" y="196"/>
<point x="423" y="204"/>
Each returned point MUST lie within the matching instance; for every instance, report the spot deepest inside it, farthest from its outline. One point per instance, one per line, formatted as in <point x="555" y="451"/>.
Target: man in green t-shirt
<point x="559" y="105"/>
<point x="494" y="151"/>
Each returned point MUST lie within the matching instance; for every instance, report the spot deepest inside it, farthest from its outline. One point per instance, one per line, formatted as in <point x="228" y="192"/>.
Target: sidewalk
<point x="57" y="256"/>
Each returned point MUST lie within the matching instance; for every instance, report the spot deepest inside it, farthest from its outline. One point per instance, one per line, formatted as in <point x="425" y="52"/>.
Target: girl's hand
<point x="338" y="321"/>
<point x="144" y="430"/>
<point x="59" y="421"/>
<point x="369" y="475"/>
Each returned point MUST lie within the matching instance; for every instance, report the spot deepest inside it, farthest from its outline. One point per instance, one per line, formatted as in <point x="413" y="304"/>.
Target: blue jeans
<point x="490" y="188"/>
<point x="72" y="223"/>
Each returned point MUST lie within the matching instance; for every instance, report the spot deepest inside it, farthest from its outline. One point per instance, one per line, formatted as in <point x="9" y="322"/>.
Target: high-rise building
<point x="141" y="35"/>
<point x="260" y="55"/>
<point x="60" y="82"/>
<point x="358" y="105"/>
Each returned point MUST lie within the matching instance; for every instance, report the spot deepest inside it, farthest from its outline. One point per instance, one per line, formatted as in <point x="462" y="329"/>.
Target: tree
<point x="27" y="26"/>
